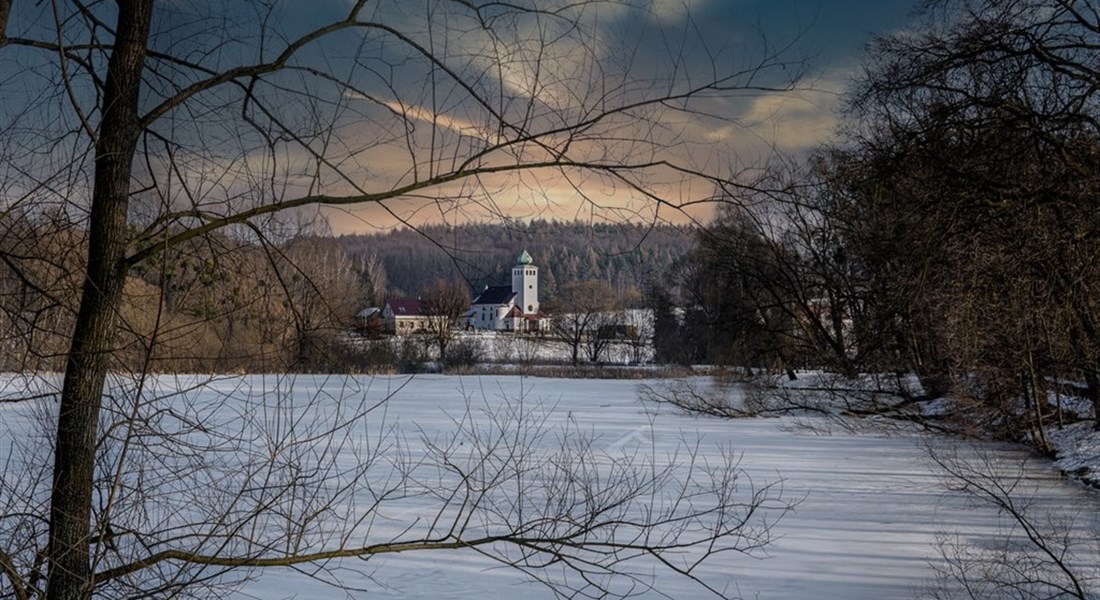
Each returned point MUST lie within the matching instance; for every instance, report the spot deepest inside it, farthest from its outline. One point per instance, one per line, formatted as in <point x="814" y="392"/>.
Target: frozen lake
<point x="870" y="506"/>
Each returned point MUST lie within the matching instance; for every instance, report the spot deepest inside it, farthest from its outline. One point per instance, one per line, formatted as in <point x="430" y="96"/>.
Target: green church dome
<point x="524" y="259"/>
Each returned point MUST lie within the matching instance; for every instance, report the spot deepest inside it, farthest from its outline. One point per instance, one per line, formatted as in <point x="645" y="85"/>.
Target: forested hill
<point x="625" y="255"/>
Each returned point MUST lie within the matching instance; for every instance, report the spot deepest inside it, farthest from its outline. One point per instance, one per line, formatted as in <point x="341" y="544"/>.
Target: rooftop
<point x="495" y="294"/>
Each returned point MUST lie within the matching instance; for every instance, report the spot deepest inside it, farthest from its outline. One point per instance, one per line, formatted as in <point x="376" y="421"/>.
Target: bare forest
<point x="950" y="233"/>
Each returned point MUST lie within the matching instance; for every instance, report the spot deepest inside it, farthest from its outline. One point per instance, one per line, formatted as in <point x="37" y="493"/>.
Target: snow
<point x="870" y="507"/>
<point x="1078" y="449"/>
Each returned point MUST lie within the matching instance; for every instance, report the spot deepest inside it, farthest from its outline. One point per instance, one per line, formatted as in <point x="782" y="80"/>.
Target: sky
<point x="829" y="35"/>
<point x="364" y="110"/>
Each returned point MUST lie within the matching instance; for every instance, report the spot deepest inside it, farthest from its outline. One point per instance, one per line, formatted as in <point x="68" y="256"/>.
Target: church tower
<point x="525" y="284"/>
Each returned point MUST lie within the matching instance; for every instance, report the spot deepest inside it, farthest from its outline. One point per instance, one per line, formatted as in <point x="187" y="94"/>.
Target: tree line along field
<point x="224" y="304"/>
<point x="629" y="256"/>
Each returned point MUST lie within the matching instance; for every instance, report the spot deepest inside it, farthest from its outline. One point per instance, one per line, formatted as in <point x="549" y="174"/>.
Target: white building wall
<point x="498" y="318"/>
<point x="525" y="283"/>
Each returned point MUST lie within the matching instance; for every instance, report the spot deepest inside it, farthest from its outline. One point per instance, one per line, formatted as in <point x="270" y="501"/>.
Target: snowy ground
<point x="870" y="507"/>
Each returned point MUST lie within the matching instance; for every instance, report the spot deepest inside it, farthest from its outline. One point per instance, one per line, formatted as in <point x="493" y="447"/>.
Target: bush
<point x="412" y="355"/>
<point x="463" y="353"/>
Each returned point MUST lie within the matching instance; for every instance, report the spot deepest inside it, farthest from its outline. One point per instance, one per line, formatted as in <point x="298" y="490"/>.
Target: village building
<point x="369" y="322"/>
<point x="511" y="308"/>
<point x="405" y="316"/>
<point x="367" y="315"/>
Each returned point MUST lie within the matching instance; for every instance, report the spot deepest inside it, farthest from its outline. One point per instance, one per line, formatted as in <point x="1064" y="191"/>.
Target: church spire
<point x="525" y="284"/>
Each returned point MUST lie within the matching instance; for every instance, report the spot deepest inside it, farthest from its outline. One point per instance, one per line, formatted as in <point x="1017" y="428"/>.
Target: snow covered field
<point x="870" y="507"/>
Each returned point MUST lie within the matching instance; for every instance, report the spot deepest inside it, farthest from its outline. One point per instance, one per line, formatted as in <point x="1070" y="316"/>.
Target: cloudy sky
<point x="422" y="89"/>
<point x="748" y="128"/>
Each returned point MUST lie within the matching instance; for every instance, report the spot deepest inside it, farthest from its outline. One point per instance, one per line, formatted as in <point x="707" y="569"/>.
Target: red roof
<point x="516" y="313"/>
<point x="406" y="307"/>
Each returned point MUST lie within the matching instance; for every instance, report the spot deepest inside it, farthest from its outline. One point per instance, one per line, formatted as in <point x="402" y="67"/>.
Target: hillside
<point x="626" y="255"/>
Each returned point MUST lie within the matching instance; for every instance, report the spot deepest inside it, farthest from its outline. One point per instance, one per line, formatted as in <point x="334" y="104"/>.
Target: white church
<point x="512" y="308"/>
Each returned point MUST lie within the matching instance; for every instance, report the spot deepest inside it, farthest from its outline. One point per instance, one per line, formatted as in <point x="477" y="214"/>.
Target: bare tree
<point x="603" y="332"/>
<point x="163" y="125"/>
<point x="974" y="177"/>
<point x="372" y="274"/>
<point x="744" y="289"/>
<point x="640" y="328"/>
<point x="39" y="285"/>
<point x="254" y="475"/>
<point x="1036" y="554"/>
<point x="445" y="303"/>
<point x="583" y="305"/>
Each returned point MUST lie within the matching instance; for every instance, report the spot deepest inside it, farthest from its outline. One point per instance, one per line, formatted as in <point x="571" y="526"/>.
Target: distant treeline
<point x="225" y="303"/>
<point x="626" y="255"/>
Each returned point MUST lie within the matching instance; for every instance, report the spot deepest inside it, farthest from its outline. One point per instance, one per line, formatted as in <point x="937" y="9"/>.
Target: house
<point x="818" y="318"/>
<point x="511" y="308"/>
<point x="367" y="314"/>
<point x="369" y="322"/>
<point x="618" y="332"/>
<point x="405" y="315"/>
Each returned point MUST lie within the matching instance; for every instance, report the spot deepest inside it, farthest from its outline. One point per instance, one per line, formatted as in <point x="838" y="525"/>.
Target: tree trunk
<point x="5" y="10"/>
<point x="70" y="577"/>
<point x="1092" y="392"/>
